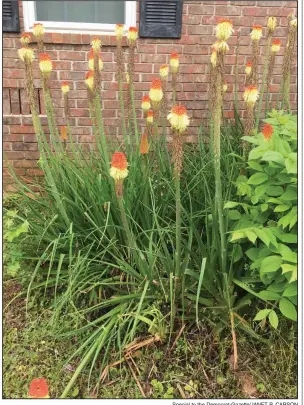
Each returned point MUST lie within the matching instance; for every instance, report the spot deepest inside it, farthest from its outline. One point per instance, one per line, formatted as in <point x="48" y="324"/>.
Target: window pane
<point x="107" y="12"/>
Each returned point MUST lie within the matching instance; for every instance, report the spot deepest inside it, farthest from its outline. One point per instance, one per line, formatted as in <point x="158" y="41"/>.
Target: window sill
<point x="80" y="39"/>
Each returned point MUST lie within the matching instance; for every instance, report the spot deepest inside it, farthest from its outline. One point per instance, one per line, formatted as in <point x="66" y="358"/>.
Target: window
<point x="78" y="16"/>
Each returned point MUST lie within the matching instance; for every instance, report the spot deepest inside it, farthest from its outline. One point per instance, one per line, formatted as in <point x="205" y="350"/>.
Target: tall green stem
<point x="217" y="167"/>
<point x="178" y="227"/>
<point x="97" y="104"/>
<point x="265" y="72"/>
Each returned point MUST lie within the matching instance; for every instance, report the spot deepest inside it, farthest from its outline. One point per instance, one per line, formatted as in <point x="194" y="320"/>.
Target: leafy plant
<point x="266" y="217"/>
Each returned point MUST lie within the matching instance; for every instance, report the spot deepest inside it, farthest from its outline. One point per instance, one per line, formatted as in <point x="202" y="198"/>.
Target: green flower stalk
<point x="132" y="38"/>
<point x="119" y="29"/>
<point x="38" y="32"/>
<point x="46" y="67"/>
<point x="276" y="45"/>
<point x="256" y="34"/>
<point x="156" y="96"/>
<point x="271" y="25"/>
<point x="174" y="65"/>
<point x="251" y="96"/>
<point x="288" y="59"/>
<point x="179" y="122"/>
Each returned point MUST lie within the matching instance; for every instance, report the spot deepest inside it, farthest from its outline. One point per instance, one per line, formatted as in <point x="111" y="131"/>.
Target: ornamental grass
<point x="130" y="239"/>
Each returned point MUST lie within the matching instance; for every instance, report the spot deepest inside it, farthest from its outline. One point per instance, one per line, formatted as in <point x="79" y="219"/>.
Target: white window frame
<point x="29" y="14"/>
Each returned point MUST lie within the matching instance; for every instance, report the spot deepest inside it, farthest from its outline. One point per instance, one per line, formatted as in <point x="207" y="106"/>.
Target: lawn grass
<point x="198" y="366"/>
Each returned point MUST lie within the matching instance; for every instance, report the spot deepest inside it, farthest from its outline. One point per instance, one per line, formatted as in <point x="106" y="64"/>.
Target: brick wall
<point x="70" y="55"/>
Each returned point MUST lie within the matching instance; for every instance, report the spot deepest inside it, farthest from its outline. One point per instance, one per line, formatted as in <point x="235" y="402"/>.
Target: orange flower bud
<point x="119" y="166"/>
<point x="174" y="62"/>
<point x="132" y="35"/>
<point x="248" y="68"/>
<point x="251" y="95"/>
<point x="145" y="103"/>
<point x="119" y="31"/>
<point x="150" y="118"/>
<point x="91" y="60"/>
<point x="144" y="145"/>
<point x="45" y="63"/>
<point x="96" y="44"/>
<point x="89" y="80"/>
<point x="156" y="92"/>
<point x="25" y="38"/>
<point x="65" y="88"/>
<point x="276" y="45"/>
<point x="256" y="32"/>
<point x="164" y="71"/>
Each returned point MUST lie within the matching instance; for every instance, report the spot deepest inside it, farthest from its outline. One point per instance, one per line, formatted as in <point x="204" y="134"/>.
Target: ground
<point x="196" y="366"/>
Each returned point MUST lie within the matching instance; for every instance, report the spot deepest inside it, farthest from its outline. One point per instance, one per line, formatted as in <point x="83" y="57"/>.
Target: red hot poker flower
<point x="267" y="131"/>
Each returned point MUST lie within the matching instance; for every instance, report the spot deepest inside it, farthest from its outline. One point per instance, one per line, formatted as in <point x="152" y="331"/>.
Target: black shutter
<point x="161" y="18"/>
<point x="10" y="16"/>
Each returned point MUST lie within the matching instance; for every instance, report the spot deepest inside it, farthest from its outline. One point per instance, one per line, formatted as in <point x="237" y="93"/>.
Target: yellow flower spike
<point x="25" y="38"/>
<point x="96" y="44"/>
<point x="132" y="35"/>
<point x="156" y="93"/>
<point x="225" y="86"/>
<point x="91" y="60"/>
<point x="144" y="145"/>
<point x="164" y="71"/>
<point x="89" y="80"/>
<point x="45" y="63"/>
<point x="224" y="29"/>
<point x="256" y="32"/>
<point x="222" y="47"/>
<point x="174" y="62"/>
<point x="119" y="166"/>
<point x="65" y="88"/>
<point x="271" y="24"/>
<point x="276" y="45"/>
<point x="119" y="31"/>
<point x="248" y="68"/>
<point x="38" y="30"/>
<point x="251" y="95"/>
<point x="150" y="118"/>
<point x="213" y="58"/>
<point x="294" y="22"/>
<point x="178" y="118"/>
<point x="26" y="54"/>
<point x="145" y="104"/>
<point x="127" y="78"/>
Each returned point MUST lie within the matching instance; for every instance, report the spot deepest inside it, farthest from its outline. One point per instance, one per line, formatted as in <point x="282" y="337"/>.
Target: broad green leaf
<point x="261" y="190"/>
<point x="291" y="290"/>
<point x="288" y="309"/>
<point x="251" y="236"/>
<point x="275" y="191"/>
<point x="231" y="204"/>
<point x="255" y="166"/>
<point x="269" y="295"/>
<point x="273" y="319"/>
<point x="281" y="208"/>
<point x="272" y="156"/>
<point x="236" y="236"/>
<point x="264" y="207"/>
<point x="253" y="253"/>
<point x="290" y="268"/>
<point x="287" y="254"/>
<point x="258" y="178"/>
<point x="290" y="194"/>
<point x="262" y="314"/>
<point x="291" y="166"/>
<point x="234" y="215"/>
<point x="251" y="139"/>
<point x="271" y="264"/>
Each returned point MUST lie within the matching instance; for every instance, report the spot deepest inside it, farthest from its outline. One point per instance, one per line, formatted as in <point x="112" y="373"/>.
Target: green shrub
<point x="264" y="221"/>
